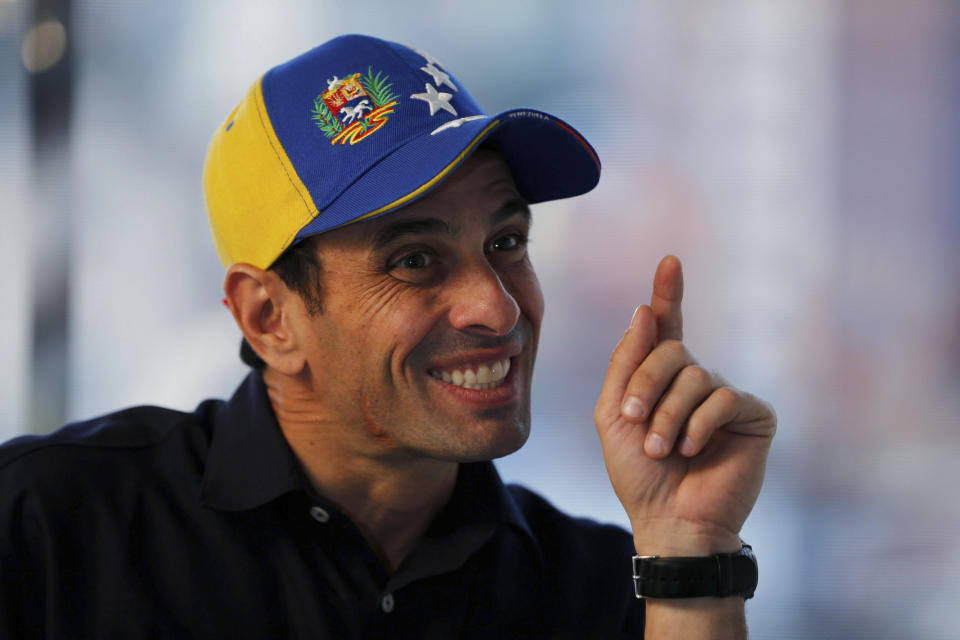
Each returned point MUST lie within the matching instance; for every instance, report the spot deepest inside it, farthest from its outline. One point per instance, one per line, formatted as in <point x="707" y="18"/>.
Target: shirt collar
<point x="479" y="487"/>
<point x="479" y="508"/>
<point x="250" y="462"/>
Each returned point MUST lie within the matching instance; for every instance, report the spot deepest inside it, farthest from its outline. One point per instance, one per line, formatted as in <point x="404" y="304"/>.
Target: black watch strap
<point x="725" y="574"/>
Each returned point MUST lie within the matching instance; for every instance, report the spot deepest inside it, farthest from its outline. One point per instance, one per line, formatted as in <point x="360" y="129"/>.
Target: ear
<point x="264" y="308"/>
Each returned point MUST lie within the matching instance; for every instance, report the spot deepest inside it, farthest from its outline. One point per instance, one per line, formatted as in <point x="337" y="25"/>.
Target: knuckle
<point x="664" y="419"/>
<point x="696" y="375"/>
<point x="673" y="347"/>
<point x="676" y="350"/>
<point x="728" y="396"/>
<point x="766" y="411"/>
<point x="773" y="414"/>
<point x="765" y="406"/>
<point x="641" y="383"/>
<point x="642" y="378"/>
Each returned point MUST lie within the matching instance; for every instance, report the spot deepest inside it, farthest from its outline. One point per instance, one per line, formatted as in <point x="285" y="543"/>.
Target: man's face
<point x="431" y="316"/>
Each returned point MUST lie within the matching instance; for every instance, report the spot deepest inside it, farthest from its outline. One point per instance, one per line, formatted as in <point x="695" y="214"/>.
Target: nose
<point x="481" y="303"/>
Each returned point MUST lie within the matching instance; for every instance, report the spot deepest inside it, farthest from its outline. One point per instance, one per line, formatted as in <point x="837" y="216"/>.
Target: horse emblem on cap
<point x="353" y="107"/>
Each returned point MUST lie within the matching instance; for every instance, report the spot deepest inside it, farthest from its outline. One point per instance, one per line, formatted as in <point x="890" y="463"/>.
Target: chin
<point x="492" y="445"/>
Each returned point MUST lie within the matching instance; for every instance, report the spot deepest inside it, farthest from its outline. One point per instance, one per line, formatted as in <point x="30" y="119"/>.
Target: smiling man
<point x="373" y="223"/>
<point x="432" y="316"/>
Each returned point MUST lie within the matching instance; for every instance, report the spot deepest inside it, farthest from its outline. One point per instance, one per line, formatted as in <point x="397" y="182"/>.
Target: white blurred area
<point x="800" y="156"/>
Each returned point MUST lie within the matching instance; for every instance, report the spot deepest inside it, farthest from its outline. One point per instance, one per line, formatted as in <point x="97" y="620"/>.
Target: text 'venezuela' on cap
<point x="359" y="127"/>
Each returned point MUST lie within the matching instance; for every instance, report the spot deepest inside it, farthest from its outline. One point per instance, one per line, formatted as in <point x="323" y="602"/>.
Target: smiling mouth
<point x="484" y="376"/>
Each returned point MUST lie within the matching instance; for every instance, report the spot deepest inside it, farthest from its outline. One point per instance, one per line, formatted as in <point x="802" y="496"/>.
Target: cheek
<point x="392" y="321"/>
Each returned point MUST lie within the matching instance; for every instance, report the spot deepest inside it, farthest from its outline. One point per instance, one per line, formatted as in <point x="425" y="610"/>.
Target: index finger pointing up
<point x="666" y="298"/>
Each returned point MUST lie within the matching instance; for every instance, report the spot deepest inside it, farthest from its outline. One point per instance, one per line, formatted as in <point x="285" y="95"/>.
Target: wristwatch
<point x="725" y="574"/>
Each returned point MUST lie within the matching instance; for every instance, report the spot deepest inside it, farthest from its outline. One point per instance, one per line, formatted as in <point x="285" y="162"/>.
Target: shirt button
<point x="386" y="603"/>
<point x="319" y="514"/>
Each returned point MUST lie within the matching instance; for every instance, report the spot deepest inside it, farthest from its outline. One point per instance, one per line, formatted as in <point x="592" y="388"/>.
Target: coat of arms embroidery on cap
<point x="354" y="107"/>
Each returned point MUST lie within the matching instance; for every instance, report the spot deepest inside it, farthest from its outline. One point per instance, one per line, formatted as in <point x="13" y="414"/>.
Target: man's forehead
<point x="446" y="222"/>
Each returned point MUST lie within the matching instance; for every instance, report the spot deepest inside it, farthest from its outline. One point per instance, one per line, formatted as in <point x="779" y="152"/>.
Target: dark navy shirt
<point x="153" y="523"/>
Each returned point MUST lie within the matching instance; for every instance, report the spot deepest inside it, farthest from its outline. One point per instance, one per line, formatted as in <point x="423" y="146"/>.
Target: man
<point x="373" y="222"/>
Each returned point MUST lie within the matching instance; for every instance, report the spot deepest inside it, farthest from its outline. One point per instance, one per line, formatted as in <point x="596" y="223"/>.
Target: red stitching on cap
<point x="582" y="141"/>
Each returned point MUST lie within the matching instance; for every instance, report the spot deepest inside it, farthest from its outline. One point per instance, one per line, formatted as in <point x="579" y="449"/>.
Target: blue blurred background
<point x="800" y="156"/>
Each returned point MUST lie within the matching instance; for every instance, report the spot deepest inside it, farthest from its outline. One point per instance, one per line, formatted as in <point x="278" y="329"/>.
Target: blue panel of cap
<point x="294" y="92"/>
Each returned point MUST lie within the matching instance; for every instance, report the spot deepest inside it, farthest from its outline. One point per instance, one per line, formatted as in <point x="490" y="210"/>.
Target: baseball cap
<point x="359" y="127"/>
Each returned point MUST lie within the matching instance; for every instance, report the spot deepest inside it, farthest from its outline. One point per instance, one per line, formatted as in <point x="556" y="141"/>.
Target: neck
<point x="390" y="495"/>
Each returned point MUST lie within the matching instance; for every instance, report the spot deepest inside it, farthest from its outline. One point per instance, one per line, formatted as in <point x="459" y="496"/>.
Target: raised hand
<point x="685" y="451"/>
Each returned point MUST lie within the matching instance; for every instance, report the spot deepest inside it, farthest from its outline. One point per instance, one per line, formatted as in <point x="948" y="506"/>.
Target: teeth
<point x="483" y="374"/>
<point x="486" y="376"/>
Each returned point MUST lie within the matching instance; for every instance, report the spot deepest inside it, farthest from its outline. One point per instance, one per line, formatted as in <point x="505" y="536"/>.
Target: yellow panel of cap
<point x="256" y="201"/>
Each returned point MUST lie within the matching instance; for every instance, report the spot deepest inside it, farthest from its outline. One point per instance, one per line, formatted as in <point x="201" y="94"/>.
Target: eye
<point x="508" y="242"/>
<point x="416" y="260"/>
<point x="415" y="267"/>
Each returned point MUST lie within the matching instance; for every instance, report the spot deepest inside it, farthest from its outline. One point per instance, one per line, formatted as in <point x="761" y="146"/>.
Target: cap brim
<point x="548" y="158"/>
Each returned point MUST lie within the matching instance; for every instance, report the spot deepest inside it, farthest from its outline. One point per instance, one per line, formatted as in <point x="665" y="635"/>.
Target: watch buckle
<point x="636" y="574"/>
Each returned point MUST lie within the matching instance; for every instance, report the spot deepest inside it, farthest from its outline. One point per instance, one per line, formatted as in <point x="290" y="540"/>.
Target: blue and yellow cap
<point x="359" y="127"/>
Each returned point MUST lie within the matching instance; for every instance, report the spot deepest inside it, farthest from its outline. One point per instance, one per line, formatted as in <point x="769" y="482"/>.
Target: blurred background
<point x="800" y="156"/>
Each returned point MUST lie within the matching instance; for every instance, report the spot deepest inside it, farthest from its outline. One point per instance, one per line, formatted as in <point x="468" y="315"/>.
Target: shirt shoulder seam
<point x="51" y="441"/>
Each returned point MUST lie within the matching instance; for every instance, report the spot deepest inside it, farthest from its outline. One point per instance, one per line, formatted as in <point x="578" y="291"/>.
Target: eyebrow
<point x="439" y="226"/>
<point x="411" y="227"/>
<point x="512" y="207"/>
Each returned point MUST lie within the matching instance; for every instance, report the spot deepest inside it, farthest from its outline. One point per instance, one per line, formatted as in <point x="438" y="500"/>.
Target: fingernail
<point x="655" y="445"/>
<point x="636" y="318"/>
<point x="633" y="408"/>
<point x="686" y="447"/>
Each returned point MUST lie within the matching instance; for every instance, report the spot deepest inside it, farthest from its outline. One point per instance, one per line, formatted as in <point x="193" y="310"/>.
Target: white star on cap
<point x="436" y="100"/>
<point x="430" y="59"/>
<point x="453" y="124"/>
<point x="440" y="78"/>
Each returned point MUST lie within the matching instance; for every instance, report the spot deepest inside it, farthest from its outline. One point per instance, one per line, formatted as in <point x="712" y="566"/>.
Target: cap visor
<point x="548" y="158"/>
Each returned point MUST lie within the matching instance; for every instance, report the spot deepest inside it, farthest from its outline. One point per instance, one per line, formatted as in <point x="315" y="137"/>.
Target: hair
<point x="299" y="269"/>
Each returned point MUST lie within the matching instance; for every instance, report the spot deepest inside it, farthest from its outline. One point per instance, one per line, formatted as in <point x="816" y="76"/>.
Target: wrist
<point x="696" y="618"/>
<point x="673" y="539"/>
